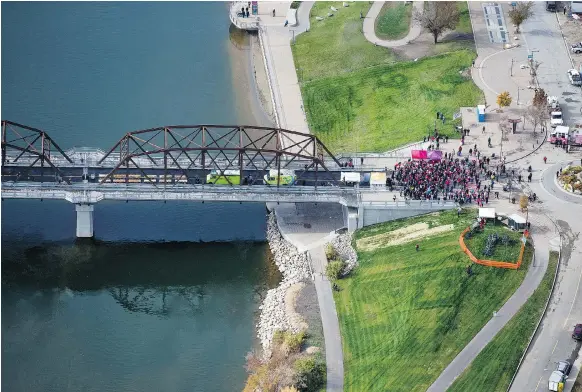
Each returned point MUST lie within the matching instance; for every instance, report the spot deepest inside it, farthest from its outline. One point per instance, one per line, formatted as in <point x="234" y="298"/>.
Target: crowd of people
<point x="452" y="178"/>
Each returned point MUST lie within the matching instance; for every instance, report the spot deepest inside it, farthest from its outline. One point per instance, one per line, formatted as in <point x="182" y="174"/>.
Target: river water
<point x="165" y="297"/>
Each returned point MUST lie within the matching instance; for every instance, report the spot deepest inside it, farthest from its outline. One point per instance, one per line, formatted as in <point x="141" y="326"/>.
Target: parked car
<point x="556" y="378"/>
<point x="564" y="367"/>
<point x="551" y="6"/>
<point x="577" y="48"/>
<point x="574" y="77"/>
<point x="577" y="333"/>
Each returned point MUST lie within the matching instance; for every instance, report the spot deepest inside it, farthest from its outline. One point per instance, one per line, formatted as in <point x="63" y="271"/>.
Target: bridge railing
<point x="411" y="203"/>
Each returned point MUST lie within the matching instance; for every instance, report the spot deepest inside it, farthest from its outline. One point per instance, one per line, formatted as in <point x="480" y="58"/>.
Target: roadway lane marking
<point x="481" y="71"/>
<point x="574" y="301"/>
<point x="538" y="384"/>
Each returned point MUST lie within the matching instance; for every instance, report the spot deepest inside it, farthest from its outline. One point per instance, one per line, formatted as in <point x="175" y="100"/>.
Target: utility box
<point x="481" y="113"/>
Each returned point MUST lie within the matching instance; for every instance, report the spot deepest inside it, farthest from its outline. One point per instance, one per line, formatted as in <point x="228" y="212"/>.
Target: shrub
<point x="310" y="374"/>
<point x="331" y="253"/>
<point x="289" y="342"/>
<point x="334" y="269"/>
<point x="295" y="5"/>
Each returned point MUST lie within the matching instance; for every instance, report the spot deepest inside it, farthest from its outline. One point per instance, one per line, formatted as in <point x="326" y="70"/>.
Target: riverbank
<point x="249" y="80"/>
<point x="278" y="308"/>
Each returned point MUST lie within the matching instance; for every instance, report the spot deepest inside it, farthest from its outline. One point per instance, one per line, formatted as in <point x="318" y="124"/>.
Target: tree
<point x="540" y="98"/>
<point x="537" y="115"/>
<point x="523" y="202"/>
<point x="520" y="13"/>
<point x="504" y="99"/>
<point x="441" y="16"/>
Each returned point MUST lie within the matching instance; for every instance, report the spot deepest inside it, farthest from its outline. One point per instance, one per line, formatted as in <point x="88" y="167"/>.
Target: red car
<point x="577" y="333"/>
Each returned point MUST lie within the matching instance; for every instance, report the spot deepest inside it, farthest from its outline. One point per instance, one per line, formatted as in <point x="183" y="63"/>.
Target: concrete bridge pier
<point x="351" y="217"/>
<point x="84" y="220"/>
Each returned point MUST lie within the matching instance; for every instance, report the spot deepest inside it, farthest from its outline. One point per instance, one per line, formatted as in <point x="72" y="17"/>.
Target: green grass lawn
<point x="508" y="253"/>
<point x="404" y="315"/>
<point x="493" y="368"/>
<point x="393" y="22"/>
<point x="383" y="107"/>
<point x="336" y="45"/>
<point x="359" y="97"/>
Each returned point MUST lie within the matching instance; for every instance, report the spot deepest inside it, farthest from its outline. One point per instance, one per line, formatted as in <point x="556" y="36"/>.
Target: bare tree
<point x="439" y="17"/>
<point x="520" y="13"/>
<point x="537" y="115"/>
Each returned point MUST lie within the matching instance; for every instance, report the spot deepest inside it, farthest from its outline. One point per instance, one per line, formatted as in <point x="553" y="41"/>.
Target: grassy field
<point x="509" y="253"/>
<point x="393" y="22"/>
<point x="383" y="107"/>
<point x="493" y="368"/>
<point x="337" y="45"/>
<point x="358" y="97"/>
<point x="404" y="315"/>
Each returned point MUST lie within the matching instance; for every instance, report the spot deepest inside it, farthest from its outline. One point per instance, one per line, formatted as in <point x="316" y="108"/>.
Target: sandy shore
<point x="250" y="85"/>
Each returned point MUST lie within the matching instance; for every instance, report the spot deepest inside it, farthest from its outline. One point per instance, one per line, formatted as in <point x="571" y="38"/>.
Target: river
<point x="165" y="297"/>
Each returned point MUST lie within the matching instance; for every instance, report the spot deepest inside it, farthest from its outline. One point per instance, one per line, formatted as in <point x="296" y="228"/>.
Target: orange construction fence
<point x="490" y="263"/>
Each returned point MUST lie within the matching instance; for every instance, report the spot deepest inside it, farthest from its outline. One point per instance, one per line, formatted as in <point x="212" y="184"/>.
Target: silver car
<point x="574" y="77"/>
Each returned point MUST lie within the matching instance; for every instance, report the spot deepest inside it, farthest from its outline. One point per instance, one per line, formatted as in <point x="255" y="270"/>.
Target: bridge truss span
<point x="219" y="148"/>
<point x="22" y="142"/>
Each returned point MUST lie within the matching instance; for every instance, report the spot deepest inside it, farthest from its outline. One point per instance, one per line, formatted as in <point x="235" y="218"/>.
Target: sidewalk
<point x="276" y="41"/>
<point x="541" y="235"/>
<point x="370" y="26"/>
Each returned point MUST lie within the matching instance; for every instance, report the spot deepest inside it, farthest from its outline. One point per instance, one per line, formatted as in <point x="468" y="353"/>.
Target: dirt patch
<point x="572" y="30"/>
<point x="400" y="236"/>
<point x="308" y="307"/>
<point x="290" y="300"/>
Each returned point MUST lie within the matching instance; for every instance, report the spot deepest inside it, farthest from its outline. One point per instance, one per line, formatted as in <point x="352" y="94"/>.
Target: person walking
<point x="483" y="129"/>
<point x="489" y="142"/>
<point x="529" y="177"/>
<point x="557" y="174"/>
<point x="545" y="159"/>
<point x="473" y="64"/>
<point x="565" y="9"/>
<point x="417" y="247"/>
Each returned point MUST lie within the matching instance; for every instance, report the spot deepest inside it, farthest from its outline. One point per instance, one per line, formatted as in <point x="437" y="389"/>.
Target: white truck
<point x="555" y="112"/>
<point x="555" y="380"/>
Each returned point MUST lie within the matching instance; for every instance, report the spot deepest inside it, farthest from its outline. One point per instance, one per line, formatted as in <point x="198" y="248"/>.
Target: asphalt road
<point x="542" y="38"/>
<point x="553" y="342"/>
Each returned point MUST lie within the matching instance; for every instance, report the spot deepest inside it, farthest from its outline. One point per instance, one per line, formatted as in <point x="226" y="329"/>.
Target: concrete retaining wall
<point x="373" y="215"/>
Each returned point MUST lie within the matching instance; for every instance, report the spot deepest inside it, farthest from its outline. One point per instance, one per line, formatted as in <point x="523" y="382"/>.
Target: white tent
<point x="350" y="177"/>
<point x="517" y="219"/>
<point x="487" y="213"/>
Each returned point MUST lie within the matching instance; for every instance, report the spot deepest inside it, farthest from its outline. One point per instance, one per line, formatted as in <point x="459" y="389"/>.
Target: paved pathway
<point x="541" y="233"/>
<point x="322" y="219"/>
<point x="333" y="342"/>
<point x="370" y="27"/>
<point x="281" y="68"/>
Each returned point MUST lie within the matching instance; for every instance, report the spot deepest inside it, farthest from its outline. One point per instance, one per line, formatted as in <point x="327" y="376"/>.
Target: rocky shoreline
<point x="343" y="246"/>
<point x="294" y="267"/>
<point x="278" y="308"/>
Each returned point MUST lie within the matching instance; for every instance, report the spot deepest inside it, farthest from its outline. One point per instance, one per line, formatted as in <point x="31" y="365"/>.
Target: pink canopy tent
<point x="433" y="155"/>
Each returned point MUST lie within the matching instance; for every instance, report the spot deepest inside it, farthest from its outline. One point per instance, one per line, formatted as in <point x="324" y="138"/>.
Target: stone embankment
<point x="343" y="246"/>
<point x="275" y="313"/>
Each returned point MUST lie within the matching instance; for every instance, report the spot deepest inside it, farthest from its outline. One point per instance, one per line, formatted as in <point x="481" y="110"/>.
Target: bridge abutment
<point x="84" y="220"/>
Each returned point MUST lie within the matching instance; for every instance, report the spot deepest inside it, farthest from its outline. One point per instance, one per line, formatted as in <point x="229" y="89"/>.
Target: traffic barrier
<point x="490" y="263"/>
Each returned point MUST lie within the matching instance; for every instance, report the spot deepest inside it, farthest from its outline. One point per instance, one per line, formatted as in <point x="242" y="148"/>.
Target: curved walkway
<point x="531" y="281"/>
<point x="370" y="26"/>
